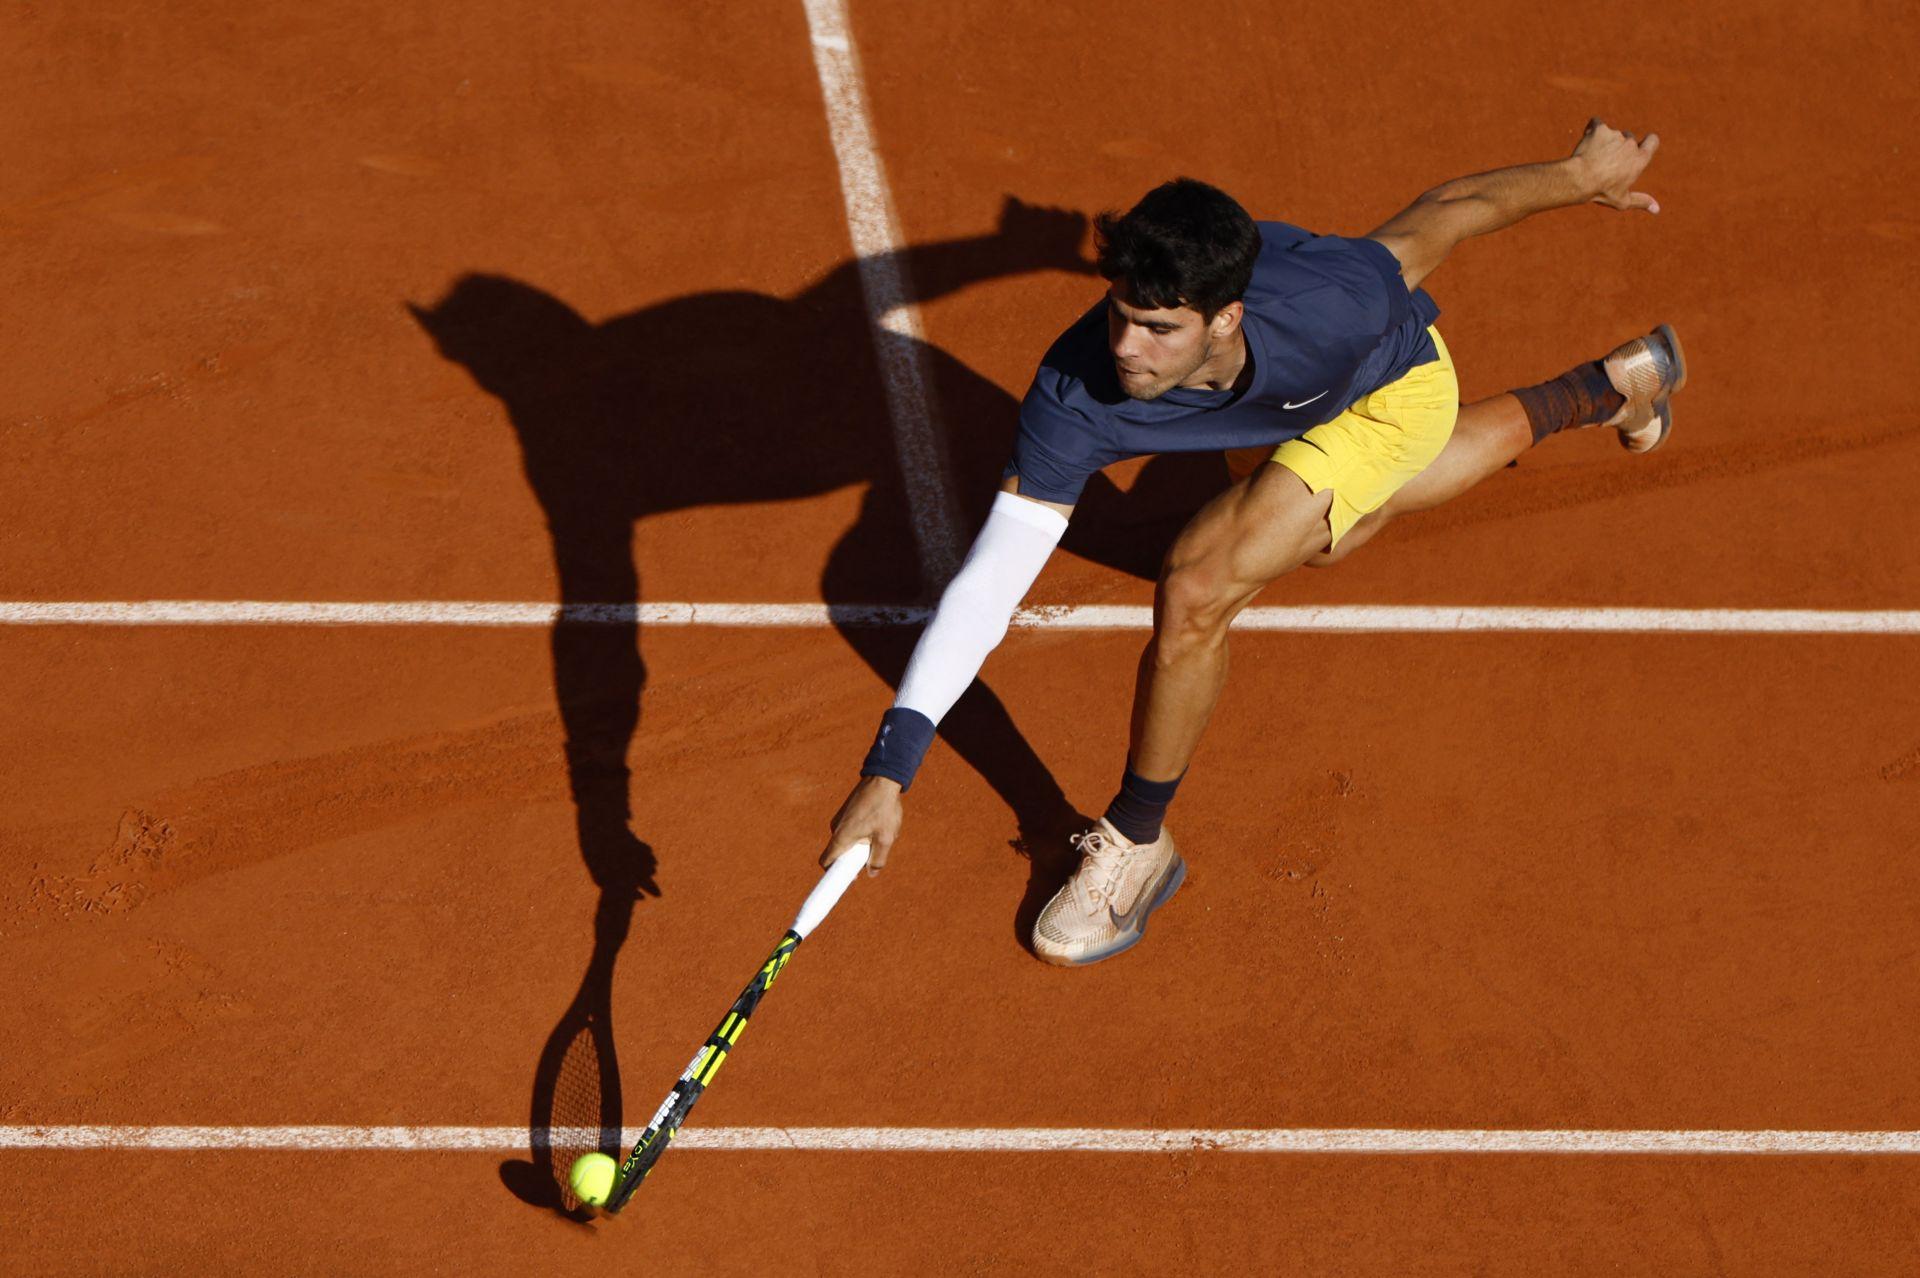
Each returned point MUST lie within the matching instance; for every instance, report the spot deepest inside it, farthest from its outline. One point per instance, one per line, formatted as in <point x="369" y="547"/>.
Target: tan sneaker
<point x="1103" y="908"/>
<point x="1647" y="371"/>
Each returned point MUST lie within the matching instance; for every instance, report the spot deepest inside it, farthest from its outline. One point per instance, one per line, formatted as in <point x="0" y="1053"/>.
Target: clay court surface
<point x="452" y="302"/>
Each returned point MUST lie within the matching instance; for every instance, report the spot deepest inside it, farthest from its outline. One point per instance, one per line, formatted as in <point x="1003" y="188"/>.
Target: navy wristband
<point x="902" y="742"/>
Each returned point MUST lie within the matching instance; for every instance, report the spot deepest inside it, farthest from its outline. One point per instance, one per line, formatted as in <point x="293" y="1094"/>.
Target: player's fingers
<point x="877" y="859"/>
<point x="836" y="848"/>
<point x="1650" y="144"/>
<point x="1641" y="200"/>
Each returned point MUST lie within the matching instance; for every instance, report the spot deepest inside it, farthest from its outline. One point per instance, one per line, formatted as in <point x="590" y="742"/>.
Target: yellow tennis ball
<point x="592" y="1177"/>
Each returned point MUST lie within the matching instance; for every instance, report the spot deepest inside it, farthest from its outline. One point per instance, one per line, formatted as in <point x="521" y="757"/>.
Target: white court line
<point x="1436" y="618"/>
<point x="996" y="1140"/>
<point x="898" y="337"/>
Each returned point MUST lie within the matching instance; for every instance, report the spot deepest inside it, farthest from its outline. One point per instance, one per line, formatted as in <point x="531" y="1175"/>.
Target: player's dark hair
<point x="1184" y="244"/>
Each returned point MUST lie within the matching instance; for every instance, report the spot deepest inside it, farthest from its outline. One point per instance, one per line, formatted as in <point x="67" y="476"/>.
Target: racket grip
<point x="832" y="886"/>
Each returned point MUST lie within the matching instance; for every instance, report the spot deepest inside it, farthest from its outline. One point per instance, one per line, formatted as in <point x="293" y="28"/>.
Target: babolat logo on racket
<point x="776" y="964"/>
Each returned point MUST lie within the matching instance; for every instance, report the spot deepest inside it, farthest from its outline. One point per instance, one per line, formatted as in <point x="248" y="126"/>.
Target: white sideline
<point x="998" y="1140"/>
<point x="1333" y="617"/>
<point x="898" y="338"/>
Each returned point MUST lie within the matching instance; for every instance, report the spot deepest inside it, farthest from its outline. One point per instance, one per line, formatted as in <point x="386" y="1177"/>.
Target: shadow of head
<point x="512" y="337"/>
<point x="731" y="395"/>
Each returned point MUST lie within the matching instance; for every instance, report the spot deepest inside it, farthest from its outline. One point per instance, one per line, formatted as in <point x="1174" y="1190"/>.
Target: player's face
<point x="1154" y="350"/>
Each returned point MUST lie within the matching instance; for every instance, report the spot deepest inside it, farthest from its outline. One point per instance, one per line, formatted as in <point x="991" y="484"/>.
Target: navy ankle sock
<point x="1580" y="396"/>
<point x="1141" y="806"/>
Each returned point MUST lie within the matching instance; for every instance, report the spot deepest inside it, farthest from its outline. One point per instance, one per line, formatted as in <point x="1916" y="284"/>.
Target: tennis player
<point x="1313" y="364"/>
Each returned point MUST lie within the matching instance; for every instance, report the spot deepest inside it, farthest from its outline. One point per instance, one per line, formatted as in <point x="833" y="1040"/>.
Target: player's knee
<point x="1196" y="606"/>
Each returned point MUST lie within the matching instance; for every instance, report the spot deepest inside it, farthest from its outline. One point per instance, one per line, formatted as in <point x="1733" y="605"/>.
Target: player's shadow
<point x="726" y="398"/>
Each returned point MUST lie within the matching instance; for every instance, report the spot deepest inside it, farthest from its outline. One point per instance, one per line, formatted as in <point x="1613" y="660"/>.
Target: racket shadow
<point x="576" y="1107"/>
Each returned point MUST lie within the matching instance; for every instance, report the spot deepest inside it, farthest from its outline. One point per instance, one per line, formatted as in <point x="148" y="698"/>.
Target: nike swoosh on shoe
<point x="1141" y="903"/>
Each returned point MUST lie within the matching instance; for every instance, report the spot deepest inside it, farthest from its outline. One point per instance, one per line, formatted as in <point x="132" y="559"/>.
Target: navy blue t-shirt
<point x="1328" y="320"/>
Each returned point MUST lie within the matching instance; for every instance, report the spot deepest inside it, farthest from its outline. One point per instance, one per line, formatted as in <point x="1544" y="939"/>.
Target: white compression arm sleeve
<point x="972" y="618"/>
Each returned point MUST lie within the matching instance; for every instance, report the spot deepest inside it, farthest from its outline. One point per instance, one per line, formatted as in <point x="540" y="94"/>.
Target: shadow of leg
<point x="982" y="732"/>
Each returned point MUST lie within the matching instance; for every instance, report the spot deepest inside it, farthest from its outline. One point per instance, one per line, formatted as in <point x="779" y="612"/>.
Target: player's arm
<point x="1601" y="170"/>
<point x="1006" y="558"/>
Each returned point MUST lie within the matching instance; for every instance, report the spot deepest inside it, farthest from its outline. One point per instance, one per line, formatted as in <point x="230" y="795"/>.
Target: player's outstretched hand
<point x="873" y="812"/>
<point x="1613" y="160"/>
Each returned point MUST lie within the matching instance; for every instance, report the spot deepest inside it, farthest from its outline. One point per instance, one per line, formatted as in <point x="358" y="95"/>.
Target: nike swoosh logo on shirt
<point x="1303" y="403"/>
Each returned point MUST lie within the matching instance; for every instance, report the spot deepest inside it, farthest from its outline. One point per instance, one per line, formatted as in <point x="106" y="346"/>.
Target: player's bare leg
<point x="1491" y="433"/>
<point x="1262" y="527"/>
<point x="1266" y="524"/>
<point x="1269" y="523"/>
<point x="1486" y="438"/>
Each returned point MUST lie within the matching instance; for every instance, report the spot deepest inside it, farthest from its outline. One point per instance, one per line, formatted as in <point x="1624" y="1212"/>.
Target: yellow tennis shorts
<point x="1369" y="451"/>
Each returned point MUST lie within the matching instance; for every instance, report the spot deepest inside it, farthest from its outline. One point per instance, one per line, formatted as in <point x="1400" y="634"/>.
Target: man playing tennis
<point x="1312" y="363"/>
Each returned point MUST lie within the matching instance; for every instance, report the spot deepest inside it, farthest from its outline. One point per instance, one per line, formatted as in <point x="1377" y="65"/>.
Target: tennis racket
<point x="699" y="1074"/>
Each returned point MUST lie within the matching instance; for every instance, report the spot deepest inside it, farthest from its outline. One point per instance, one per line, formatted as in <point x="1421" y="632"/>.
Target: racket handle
<point x="832" y="886"/>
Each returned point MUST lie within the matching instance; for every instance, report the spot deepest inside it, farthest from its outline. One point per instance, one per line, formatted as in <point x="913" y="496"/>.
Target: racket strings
<point x="579" y="1117"/>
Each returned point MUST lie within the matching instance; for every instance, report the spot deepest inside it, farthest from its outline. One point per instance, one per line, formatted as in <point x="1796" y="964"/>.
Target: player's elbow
<point x="1429" y="228"/>
<point x="976" y="598"/>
